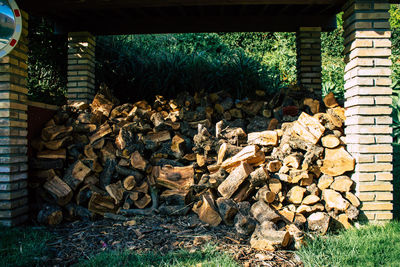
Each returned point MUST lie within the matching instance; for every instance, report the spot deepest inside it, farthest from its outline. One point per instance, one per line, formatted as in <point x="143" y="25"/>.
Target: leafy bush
<point x="47" y="62"/>
<point x="142" y="66"/>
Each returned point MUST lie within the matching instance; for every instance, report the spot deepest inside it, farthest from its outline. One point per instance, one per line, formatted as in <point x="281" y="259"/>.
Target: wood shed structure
<point x="367" y="73"/>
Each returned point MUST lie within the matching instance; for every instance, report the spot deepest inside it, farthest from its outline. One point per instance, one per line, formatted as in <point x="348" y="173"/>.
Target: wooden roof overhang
<point x="104" y="17"/>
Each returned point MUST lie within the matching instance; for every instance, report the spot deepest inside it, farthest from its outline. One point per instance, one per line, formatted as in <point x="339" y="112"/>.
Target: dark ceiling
<point x="103" y="17"/>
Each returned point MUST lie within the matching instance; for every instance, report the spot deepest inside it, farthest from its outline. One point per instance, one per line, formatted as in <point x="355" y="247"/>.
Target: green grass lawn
<point x="371" y="245"/>
<point x="205" y="257"/>
<point x="23" y="246"/>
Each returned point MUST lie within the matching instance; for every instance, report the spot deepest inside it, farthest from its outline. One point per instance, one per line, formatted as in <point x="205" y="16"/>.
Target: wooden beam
<point x="179" y="24"/>
<point x="93" y="4"/>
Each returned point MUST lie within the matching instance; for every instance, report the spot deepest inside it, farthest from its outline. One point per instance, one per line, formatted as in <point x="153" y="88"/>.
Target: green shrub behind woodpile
<point x="141" y="66"/>
<point x="47" y="62"/>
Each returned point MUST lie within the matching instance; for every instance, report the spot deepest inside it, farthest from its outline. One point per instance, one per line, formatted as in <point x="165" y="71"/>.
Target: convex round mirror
<point x="10" y="26"/>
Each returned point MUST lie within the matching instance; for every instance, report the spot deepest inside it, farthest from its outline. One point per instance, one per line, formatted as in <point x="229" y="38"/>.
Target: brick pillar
<point x="368" y="99"/>
<point x="13" y="132"/>
<point x="81" y="66"/>
<point x="309" y="59"/>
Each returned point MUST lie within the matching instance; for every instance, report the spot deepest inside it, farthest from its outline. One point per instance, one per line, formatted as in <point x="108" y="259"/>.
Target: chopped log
<point x="142" y="202"/>
<point x="295" y="194"/>
<point x="129" y="182"/>
<point x="265" y="138"/>
<point x="307" y="180"/>
<point x="206" y="210"/>
<point x="274" y="185"/>
<point x="89" y="152"/>
<point x="83" y="195"/>
<point x="330" y="100"/>
<point x="250" y="154"/>
<point x="310" y="200"/>
<point x="265" y="194"/>
<point x="244" y="224"/>
<point x="337" y="161"/>
<point x="173" y="177"/>
<point x="80" y="171"/>
<point x="116" y="191"/>
<point x="157" y="137"/>
<point x="59" y="190"/>
<point x="334" y="200"/>
<point x="227" y="209"/>
<point x="312" y="104"/>
<point x="352" y="212"/>
<point x="258" y="177"/>
<point x="325" y="182"/>
<point x="174" y="197"/>
<point x="138" y="162"/>
<point x="85" y="128"/>
<point x="50" y="215"/>
<point x="123" y="162"/>
<point x="104" y="130"/>
<point x="274" y="165"/>
<point x="293" y="160"/>
<point x="125" y="138"/>
<point x="178" y="146"/>
<point x="94" y="165"/>
<point x="57" y="144"/>
<point x="51" y="154"/>
<point x="244" y="191"/>
<point x="338" y="114"/>
<point x="263" y="212"/>
<point x="299" y="220"/>
<point x="313" y="189"/>
<point x="101" y="105"/>
<point x="148" y="211"/>
<point x="228" y="187"/>
<point x="287" y="214"/>
<point x="318" y="222"/>
<point x="308" y="128"/>
<point x="55" y="132"/>
<point x="328" y="122"/>
<point x="201" y="160"/>
<point x="268" y="239"/>
<point x="353" y="199"/>
<point x="344" y="221"/>
<point x="100" y="204"/>
<point x="342" y="184"/>
<point x="234" y="135"/>
<point x="227" y="150"/>
<point x="127" y="172"/>
<point x="76" y="174"/>
<point x="330" y="141"/>
<point x="143" y="188"/>
<point x="108" y="152"/>
<point x="107" y="173"/>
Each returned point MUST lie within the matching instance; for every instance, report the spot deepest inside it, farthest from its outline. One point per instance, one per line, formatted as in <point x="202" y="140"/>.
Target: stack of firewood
<point x="236" y="162"/>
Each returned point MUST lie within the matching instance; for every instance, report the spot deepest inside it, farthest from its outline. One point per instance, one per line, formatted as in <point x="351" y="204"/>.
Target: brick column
<point x="81" y="66"/>
<point x="309" y="59"/>
<point x="13" y="132"/>
<point x="368" y="99"/>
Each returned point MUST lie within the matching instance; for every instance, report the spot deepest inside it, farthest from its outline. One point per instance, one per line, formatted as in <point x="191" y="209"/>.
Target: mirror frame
<point x="17" y="31"/>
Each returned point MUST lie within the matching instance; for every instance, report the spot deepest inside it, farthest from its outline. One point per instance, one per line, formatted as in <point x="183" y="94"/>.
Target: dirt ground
<point x="77" y="240"/>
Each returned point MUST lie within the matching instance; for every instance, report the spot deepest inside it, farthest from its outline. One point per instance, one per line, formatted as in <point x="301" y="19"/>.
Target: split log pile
<point x="269" y="170"/>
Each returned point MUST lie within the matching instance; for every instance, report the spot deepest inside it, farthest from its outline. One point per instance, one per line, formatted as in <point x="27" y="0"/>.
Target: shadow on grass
<point x="23" y="246"/>
<point x="208" y="256"/>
